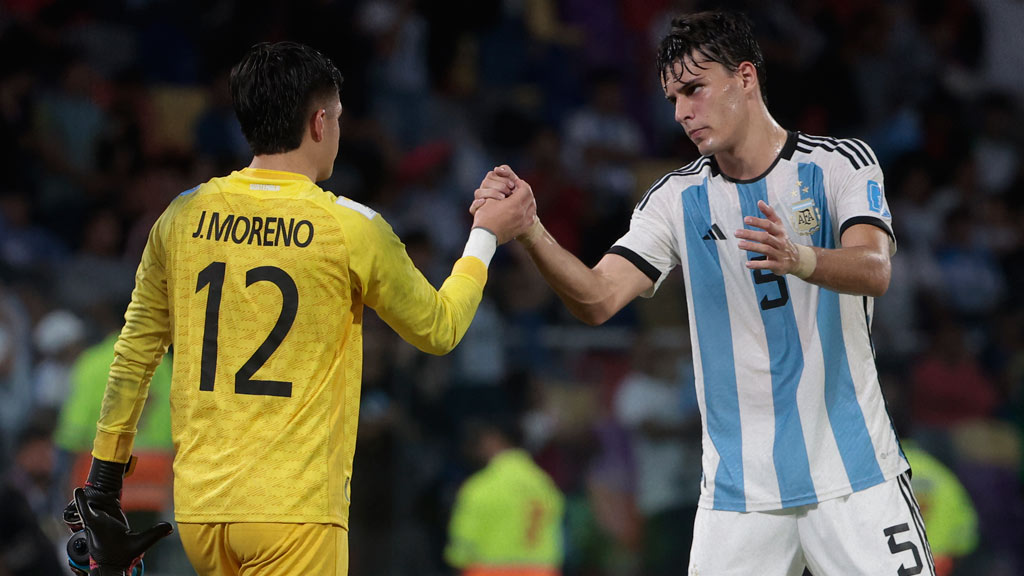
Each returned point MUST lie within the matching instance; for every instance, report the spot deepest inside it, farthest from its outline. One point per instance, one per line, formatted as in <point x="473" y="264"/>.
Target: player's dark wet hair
<point x="715" y="36"/>
<point x="273" y="90"/>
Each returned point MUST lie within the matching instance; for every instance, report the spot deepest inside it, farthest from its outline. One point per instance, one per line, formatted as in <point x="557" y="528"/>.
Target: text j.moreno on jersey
<point x="258" y="230"/>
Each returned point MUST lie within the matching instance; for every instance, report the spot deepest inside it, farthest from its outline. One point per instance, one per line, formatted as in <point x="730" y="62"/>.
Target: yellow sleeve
<point x="432" y="320"/>
<point x="139" y="350"/>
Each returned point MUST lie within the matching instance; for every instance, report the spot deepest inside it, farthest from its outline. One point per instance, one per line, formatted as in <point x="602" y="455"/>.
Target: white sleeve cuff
<point x="482" y="243"/>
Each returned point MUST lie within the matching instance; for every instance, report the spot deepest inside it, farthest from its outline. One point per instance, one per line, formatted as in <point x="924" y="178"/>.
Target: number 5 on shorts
<point x="897" y="547"/>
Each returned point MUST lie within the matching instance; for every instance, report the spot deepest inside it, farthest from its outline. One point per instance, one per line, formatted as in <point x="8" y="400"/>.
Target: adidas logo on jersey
<point x="714" y="233"/>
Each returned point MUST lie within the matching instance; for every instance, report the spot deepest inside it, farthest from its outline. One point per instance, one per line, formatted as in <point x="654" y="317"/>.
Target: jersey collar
<point x="785" y="154"/>
<point x="264" y="174"/>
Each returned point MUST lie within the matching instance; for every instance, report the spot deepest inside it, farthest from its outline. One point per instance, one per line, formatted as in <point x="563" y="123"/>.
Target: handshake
<point x="505" y="206"/>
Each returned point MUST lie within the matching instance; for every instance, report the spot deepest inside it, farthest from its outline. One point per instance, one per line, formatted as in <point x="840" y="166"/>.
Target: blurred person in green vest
<point x="76" y="427"/>
<point x="945" y="506"/>
<point x="507" y="517"/>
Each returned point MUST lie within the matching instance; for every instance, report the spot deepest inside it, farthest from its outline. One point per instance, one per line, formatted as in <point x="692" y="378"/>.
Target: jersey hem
<point x="742" y="506"/>
<point x="257" y="518"/>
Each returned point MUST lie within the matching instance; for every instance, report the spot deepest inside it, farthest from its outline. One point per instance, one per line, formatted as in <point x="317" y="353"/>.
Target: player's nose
<point x="684" y="112"/>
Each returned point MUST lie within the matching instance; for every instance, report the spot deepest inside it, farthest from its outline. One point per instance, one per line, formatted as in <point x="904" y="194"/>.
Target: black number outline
<point x="765" y="276"/>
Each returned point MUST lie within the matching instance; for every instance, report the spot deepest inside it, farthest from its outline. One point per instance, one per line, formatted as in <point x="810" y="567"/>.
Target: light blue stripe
<point x="844" y="411"/>
<point x="189" y="191"/>
<point x="786" y="359"/>
<point x="711" y="315"/>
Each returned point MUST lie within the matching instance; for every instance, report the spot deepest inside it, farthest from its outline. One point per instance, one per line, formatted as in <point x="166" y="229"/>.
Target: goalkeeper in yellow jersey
<point x="259" y="280"/>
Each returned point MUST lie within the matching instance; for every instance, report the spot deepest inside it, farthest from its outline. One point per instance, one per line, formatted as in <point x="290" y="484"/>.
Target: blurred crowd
<point x="110" y="108"/>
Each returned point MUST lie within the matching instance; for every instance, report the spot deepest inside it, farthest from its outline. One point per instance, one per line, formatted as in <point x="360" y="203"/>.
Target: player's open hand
<point x="781" y="255"/>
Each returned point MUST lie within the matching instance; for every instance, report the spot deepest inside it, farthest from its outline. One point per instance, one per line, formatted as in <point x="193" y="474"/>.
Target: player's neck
<point x="292" y="161"/>
<point x="755" y="151"/>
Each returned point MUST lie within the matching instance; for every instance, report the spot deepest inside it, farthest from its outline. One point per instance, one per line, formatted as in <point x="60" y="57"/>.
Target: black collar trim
<point x="785" y="154"/>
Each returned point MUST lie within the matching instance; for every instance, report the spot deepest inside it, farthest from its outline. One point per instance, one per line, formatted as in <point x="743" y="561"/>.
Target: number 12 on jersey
<point x="213" y="276"/>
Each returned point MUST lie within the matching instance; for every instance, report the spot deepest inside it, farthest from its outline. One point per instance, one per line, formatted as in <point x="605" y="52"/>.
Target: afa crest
<point x="806" y="217"/>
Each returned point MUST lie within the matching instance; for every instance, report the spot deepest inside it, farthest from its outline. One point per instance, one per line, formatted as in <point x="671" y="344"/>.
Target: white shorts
<point x="874" y="532"/>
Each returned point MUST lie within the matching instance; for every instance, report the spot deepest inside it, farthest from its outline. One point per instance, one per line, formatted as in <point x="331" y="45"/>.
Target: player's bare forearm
<point x="577" y="285"/>
<point x="592" y="295"/>
<point x="860" y="270"/>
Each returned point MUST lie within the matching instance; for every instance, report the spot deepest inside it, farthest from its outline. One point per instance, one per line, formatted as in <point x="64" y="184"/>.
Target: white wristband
<point x="482" y="243"/>
<point x="807" y="263"/>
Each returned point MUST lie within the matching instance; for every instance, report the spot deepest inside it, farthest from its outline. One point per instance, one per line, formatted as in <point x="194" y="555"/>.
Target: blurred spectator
<point x="144" y="198"/>
<point x="552" y="44"/>
<point x="995" y="152"/>
<point x="219" y="138"/>
<point x="507" y="518"/>
<point x="398" y="74"/>
<point x="601" y="143"/>
<point x="26" y="246"/>
<point x="946" y="509"/>
<point x="29" y="528"/>
<point x="430" y="198"/>
<point x="948" y="388"/>
<point x="69" y="127"/>
<point x="122" y="147"/>
<point x="524" y="301"/>
<point x="615" y="543"/>
<point x="102" y="278"/>
<point x="19" y="70"/>
<point x="973" y="283"/>
<point x="657" y="403"/>
<point x="16" y="396"/>
<point x="59" y="338"/>
<point x="1004" y="44"/>
<point x="563" y="196"/>
<point x="603" y="33"/>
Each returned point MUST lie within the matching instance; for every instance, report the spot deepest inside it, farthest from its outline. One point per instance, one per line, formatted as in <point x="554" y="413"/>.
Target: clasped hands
<point x="505" y="201"/>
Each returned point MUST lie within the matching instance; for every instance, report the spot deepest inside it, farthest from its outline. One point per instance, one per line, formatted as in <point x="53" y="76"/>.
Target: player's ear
<point x="317" y="124"/>
<point x="748" y="75"/>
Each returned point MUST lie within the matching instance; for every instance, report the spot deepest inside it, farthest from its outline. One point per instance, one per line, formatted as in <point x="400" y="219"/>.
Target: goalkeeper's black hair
<point x="273" y="90"/>
<point x="714" y="36"/>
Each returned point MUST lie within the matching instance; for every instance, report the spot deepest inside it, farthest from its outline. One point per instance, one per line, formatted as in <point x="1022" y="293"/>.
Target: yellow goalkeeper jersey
<point x="259" y="280"/>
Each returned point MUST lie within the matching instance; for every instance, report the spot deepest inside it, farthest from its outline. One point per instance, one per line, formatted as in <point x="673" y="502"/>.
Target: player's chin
<point x="705" y="146"/>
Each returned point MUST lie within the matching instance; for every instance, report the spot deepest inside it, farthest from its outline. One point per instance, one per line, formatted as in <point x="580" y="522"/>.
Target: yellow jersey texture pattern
<point x="259" y="279"/>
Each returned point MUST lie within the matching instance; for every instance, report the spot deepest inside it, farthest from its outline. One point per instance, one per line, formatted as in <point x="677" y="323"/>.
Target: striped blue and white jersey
<point x="785" y="372"/>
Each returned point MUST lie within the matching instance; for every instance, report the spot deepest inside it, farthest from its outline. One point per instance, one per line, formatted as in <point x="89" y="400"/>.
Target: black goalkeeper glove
<point x="113" y="549"/>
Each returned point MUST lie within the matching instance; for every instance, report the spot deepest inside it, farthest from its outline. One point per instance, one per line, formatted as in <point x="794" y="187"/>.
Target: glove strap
<point x="108" y="476"/>
<point x="108" y="571"/>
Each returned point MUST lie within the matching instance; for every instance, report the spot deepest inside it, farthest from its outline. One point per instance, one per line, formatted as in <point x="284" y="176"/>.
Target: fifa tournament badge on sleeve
<point x="876" y="199"/>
